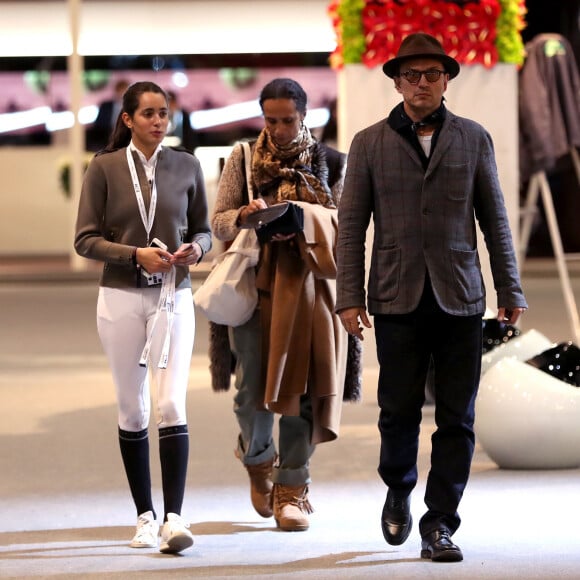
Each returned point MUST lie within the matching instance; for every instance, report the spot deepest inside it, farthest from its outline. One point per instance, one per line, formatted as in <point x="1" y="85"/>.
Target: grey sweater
<point x="109" y="225"/>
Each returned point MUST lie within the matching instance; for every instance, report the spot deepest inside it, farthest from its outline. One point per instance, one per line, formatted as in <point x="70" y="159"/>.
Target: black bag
<point x="282" y="218"/>
<point x="496" y="333"/>
<point x="561" y="361"/>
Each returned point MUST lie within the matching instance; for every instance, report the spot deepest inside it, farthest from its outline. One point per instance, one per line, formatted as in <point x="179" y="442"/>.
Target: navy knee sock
<point x="135" y="453"/>
<point x="174" y="455"/>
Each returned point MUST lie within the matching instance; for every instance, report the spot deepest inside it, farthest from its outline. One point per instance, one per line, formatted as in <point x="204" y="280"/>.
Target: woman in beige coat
<point x="291" y="355"/>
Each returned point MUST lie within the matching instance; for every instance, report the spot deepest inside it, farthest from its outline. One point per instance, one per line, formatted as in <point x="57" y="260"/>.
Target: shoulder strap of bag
<point x="248" y="167"/>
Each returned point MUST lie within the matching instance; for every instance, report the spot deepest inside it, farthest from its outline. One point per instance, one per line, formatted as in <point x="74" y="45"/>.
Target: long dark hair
<point x="284" y="89"/>
<point x="121" y="135"/>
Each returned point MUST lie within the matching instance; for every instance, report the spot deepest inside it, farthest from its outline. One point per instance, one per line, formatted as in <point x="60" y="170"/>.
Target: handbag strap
<point x="248" y="161"/>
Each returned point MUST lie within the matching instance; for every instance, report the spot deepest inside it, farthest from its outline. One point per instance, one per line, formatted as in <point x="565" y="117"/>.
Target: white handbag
<point x="228" y="295"/>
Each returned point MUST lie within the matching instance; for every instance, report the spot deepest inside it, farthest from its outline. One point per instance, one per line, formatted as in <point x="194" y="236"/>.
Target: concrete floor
<point x="66" y="510"/>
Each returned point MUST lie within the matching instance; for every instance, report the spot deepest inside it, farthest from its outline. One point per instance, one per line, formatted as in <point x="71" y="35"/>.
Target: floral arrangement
<point x="473" y="32"/>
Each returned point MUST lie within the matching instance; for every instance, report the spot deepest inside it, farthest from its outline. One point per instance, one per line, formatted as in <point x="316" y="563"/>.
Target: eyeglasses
<point x="414" y="76"/>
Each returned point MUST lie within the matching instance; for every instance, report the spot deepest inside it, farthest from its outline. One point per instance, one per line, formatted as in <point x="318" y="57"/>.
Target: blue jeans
<point x="405" y="345"/>
<point x="255" y="441"/>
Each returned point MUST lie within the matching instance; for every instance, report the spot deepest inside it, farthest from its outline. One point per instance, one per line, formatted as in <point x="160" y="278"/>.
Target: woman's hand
<point x="153" y="259"/>
<point x="282" y="237"/>
<point x="254" y="205"/>
<point x="187" y="254"/>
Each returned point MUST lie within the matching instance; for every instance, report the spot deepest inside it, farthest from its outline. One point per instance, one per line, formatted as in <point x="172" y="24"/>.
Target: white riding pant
<point x="124" y="321"/>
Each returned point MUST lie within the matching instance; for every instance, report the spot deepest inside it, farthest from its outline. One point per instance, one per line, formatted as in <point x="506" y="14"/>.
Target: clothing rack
<point x="538" y="184"/>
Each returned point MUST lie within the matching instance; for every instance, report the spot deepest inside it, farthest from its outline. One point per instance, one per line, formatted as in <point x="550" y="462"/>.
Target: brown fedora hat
<point x="421" y="45"/>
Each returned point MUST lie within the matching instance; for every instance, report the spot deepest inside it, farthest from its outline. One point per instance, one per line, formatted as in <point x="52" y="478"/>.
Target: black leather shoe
<point x="396" y="521"/>
<point x="438" y="547"/>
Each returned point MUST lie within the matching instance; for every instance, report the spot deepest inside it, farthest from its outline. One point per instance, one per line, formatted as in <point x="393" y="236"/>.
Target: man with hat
<point x="424" y="175"/>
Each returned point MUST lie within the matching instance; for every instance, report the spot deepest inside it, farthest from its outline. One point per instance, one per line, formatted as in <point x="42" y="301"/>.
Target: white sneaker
<point x="146" y="535"/>
<point x="175" y="535"/>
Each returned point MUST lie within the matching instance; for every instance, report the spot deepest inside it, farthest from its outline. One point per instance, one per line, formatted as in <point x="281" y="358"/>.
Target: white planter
<point x="527" y="419"/>
<point x="523" y="347"/>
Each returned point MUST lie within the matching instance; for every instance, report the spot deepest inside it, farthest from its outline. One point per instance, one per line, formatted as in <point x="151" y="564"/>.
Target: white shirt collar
<point x="146" y="162"/>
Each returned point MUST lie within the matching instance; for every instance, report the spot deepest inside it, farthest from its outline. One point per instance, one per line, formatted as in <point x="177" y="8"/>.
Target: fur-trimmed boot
<point x="291" y="507"/>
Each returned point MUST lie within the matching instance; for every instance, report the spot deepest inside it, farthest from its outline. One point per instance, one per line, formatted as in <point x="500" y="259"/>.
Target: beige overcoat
<point x="304" y="343"/>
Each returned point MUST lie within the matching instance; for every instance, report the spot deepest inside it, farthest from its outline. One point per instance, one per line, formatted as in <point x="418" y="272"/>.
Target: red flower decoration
<point x="467" y="31"/>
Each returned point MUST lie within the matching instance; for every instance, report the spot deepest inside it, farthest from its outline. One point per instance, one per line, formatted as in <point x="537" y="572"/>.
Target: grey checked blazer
<point x="424" y="221"/>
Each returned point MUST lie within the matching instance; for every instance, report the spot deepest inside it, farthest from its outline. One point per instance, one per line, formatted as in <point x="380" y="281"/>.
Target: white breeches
<point x="124" y="321"/>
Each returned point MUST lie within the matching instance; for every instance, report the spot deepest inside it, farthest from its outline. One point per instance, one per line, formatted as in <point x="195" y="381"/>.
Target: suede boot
<point x="261" y="486"/>
<point x="291" y="507"/>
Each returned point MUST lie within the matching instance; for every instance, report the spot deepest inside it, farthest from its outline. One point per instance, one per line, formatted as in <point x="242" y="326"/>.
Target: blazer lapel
<point x="444" y="141"/>
<point x="407" y="148"/>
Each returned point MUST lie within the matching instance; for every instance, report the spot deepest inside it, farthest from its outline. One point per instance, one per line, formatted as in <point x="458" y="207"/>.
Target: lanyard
<point x="167" y="303"/>
<point x="147" y="219"/>
<point x="167" y="295"/>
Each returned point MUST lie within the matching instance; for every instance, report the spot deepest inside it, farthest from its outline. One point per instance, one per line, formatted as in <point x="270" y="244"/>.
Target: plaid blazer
<point x="424" y="221"/>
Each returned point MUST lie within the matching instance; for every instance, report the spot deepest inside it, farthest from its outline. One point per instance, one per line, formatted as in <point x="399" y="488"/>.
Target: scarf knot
<point x="298" y="172"/>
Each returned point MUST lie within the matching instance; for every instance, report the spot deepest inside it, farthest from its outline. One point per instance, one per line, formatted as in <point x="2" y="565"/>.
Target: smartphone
<point x="157" y="243"/>
<point x="155" y="278"/>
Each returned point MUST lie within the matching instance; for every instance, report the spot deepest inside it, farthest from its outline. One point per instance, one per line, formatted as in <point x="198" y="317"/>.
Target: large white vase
<point x="527" y="419"/>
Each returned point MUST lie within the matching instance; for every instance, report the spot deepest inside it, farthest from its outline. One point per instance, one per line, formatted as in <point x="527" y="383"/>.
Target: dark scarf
<point x="297" y="172"/>
<point x="402" y="123"/>
<point x="405" y="126"/>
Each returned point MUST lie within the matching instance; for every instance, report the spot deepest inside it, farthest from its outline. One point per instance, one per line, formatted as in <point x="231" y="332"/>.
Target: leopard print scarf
<point x="297" y="172"/>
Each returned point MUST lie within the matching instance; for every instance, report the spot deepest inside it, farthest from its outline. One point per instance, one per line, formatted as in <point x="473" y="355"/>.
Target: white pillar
<point x="77" y="136"/>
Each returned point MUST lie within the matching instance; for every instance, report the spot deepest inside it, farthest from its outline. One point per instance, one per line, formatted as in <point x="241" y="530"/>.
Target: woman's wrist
<point x="134" y="257"/>
<point x="239" y="219"/>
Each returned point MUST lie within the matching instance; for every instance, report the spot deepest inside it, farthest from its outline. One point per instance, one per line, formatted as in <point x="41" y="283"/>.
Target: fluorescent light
<point x="180" y="79"/>
<point x="43" y="28"/>
<point x="54" y="121"/>
<point x="57" y="121"/>
<point x="205" y="27"/>
<point x="88" y="114"/>
<point x="247" y="110"/>
<point x="65" y="119"/>
<point x="171" y="141"/>
<point x="317" y="117"/>
<point x="225" y="115"/>
<point x="24" y="119"/>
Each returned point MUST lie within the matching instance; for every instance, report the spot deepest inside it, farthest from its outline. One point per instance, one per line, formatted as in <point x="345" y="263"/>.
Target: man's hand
<point x="352" y="318"/>
<point x="510" y="316"/>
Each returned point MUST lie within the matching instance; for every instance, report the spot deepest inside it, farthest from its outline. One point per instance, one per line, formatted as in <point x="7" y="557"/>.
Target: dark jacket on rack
<point x="549" y="104"/>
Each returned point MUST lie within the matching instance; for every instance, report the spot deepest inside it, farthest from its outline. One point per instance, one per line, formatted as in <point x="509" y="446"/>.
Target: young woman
<point x="143" y="212"/>
<point x="291" y="355"/>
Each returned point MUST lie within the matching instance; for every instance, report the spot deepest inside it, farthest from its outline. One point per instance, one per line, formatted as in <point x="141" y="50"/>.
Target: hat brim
<point x="391" y="67"/>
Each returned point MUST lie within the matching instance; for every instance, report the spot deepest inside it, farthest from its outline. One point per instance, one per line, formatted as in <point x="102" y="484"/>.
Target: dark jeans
<point x="405" y="345"/>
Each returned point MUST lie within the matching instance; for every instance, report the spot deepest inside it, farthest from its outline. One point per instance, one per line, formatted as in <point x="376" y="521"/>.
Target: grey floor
<point x="65" y="510"/>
